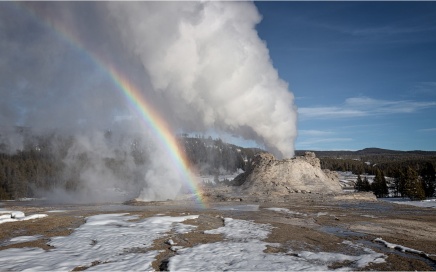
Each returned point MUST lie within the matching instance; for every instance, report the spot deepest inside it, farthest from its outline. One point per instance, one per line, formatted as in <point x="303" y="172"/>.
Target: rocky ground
<point x="312" y="222"/>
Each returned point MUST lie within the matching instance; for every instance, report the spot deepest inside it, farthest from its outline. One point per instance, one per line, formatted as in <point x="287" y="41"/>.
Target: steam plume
<point x="201" y="64"/>
<point x="211" y="66"/>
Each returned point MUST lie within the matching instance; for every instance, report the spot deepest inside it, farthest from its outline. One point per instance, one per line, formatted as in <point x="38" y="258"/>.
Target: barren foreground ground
<point x="308" y="222"/>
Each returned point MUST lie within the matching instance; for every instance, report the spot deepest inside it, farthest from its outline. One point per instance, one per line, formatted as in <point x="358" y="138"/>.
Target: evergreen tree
<point x="397" y="185"/>
<point x="379" y="186"/>
<point x="359" y="184"/>
<point x="412" y="185"/>
<point x="366" y="185"/>
<point x="428" y="179"/>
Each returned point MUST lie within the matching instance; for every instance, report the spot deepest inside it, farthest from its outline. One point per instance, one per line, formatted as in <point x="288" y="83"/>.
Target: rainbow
<point x="149" y="116"/>
<point x="160" y="128"/>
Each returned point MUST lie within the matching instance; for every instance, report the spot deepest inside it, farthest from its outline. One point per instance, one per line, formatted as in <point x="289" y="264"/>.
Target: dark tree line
<point x="22" y="173"/>
<point x="210" y="156"/>
<point x="413" y="174"/>
<point x="40" y="164"/>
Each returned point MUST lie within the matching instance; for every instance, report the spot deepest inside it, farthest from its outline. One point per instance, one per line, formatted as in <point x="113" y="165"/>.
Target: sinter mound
<point x="302" y="174"/>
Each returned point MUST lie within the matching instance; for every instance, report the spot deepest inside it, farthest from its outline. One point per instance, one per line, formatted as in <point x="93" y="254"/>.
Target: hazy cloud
<point x="364" y="106"/>
<point x="313" y="132"/>
<point x="428" y="130"/>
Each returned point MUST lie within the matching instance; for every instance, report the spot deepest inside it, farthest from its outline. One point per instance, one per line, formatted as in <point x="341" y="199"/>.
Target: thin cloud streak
<point x="316" y="143"/>
<point x="329" y="112"/>
<point x="364" y="106"/>
<point x="313" y="132"/>
<point x="427" y="130"/>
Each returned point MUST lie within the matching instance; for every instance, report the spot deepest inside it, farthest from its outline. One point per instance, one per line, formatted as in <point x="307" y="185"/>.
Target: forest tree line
<point x="412" y="174"/>
<point x="41" y="166"/>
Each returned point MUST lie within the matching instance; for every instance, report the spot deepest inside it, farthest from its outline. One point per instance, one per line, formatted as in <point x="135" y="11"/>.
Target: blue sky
<point x="363" y="73"/>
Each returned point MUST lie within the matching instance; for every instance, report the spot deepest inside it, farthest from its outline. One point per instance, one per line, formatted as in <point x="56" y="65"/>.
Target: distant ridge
<point x="371" y="151"/>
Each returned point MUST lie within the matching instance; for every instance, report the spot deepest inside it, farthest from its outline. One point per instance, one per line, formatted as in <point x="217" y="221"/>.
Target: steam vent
<point x="302" y="174"/>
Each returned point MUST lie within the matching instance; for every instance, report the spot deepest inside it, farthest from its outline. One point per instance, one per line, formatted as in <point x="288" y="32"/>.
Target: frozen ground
<point x="14" y="216"/>
<point x="428" y="203"/>
<point x="308" y="233"/>
<point x="111" y="242"/>
<point x="243" y="249"/>
<point x="210" y="179"/>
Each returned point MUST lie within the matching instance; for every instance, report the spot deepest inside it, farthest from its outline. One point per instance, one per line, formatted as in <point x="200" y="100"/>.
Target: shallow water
<point x="341" y="232"/>
<point x="245" y="208"/>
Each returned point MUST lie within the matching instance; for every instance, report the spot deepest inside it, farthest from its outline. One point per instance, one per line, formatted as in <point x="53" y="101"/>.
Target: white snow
<point x="183" y="228"/>
<point x="243" y="250"/>
<point x="400" y="247"/>
<point x="428" y="203"/>
<point x="21" y="239"/>
<point x="321" y="214"/>
<point x="284" y="210"/>
<point x="327" y="257"/>
<point x="247" y="208"/>
<point x="29" y="199"/>
<point x="111" y="240"/>
<point x="236" y="229"/>
<point x="210" y="179"/>
<point x="17" y="215"/>
<point x="369" y="216"/>
<point x="121" y="242"/>
<point x="170" y="242"/>
<point x="14" y="216"/>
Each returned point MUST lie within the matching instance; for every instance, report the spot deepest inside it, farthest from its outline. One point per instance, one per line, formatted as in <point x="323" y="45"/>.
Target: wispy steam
<point x="200" y="64"/>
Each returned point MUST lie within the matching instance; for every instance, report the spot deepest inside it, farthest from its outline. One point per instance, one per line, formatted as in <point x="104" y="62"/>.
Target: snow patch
<point x="246" y="208"/>
<point x="14" y="216"/>
<point x="22" y="239"/>
<point x="121" y="242"/>
<point x="284" y="210"/>
<point x="359" y="261"/>
<point x="400" y="247"/>
<point x="322" y="214"/>
<point x="108" y="242"/>
<point x="242" y="230"/>
<point x="244" y="251"/>
<point x="428" y="203"/>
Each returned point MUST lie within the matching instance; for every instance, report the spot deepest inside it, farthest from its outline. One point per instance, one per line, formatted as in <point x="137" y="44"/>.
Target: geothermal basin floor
<point x="303" y="233"/>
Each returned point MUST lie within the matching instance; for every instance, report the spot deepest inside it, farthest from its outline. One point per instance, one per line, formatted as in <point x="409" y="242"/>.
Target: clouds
<point x="361" y="122"/>
<point x="357" y="63"/>
<point x="364" y="106"/>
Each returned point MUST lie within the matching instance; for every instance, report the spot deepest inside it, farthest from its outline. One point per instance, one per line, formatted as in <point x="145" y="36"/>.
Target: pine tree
<point x="379" y="186"/>
<point x="428" y="179"/>
<point x="359" y="184"/>
<point x="412" y="185"/>
<point x="366" y="185"/>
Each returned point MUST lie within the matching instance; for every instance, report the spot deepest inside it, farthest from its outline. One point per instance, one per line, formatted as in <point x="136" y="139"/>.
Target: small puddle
<point x="341" y="232"/>
<point x="245" y="208"/>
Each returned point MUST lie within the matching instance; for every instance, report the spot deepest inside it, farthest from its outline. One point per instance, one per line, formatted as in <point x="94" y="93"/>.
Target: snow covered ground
<point x="210" y="179"/>
<point x="348" y="179"/>
<point x="112" y="240"/>
<point x="428" y="203"/>
<point x="286" y="211"/>
<point x="14" y="216"/>
<point x="243" y="249"/>
<point x="120" y="242"/>
<point x="400" y="247"/>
